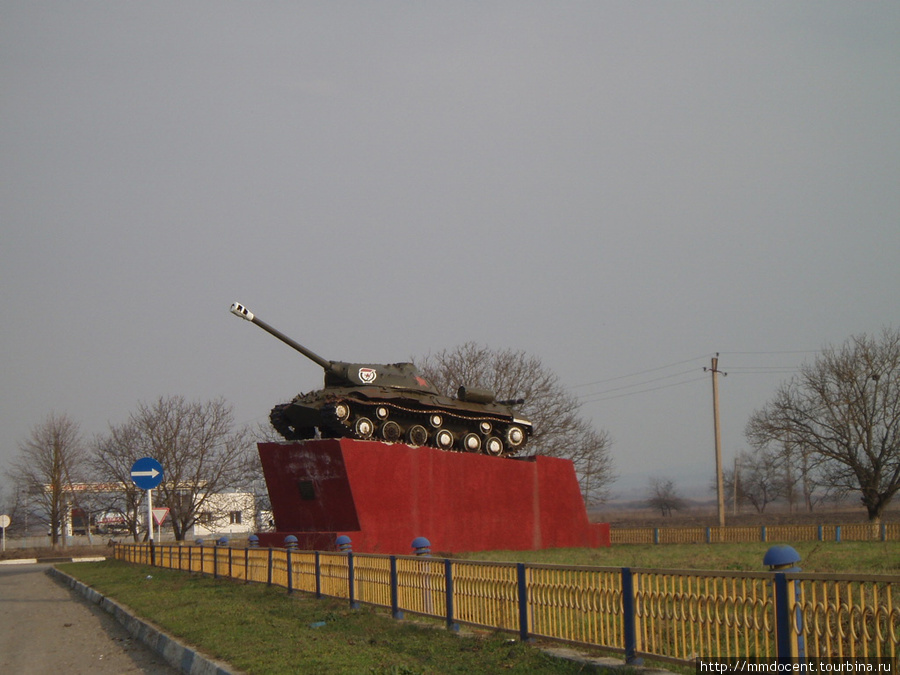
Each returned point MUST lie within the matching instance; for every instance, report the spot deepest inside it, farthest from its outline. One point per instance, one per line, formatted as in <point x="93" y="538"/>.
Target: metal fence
<point x="792" y="533"/>
<point x="670" y="615"/>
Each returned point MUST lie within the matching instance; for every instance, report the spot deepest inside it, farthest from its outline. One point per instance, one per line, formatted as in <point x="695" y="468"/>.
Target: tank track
<point x="279" y="420"/>
<point x="435" y="427"/>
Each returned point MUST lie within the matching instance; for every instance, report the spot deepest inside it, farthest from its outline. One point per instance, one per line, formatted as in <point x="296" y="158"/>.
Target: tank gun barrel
<point x="239" y="310"/>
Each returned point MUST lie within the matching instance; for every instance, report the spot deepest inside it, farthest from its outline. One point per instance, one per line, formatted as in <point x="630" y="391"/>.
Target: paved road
<point x="45" y="628"/>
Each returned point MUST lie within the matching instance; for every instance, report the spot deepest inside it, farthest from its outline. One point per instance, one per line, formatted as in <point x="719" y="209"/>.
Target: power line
<point x="586" y="398"/>
<point x="636" y="384"/>
<point x="802" y="351"/>
<point x="742" y="370"/>
<point x="642" y="372"/>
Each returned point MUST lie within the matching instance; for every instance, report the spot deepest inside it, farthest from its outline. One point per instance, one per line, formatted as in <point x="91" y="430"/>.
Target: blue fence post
<point x="523" y="602"/>
<point x="655" y="535"/>
<point x="448" y="584"/>
<point x="788" y="644"/>
<point x="821" y="533"/>
<point x="762" y="533"/>
<point x="708" y="535"/>
<point x="290" y="544"/>
<point x="290" y="573"/>
<point x="269" y="570"/>
<point x="215" y="562"/>
<point x="318" y="576"/>
<point x="884" y="532"/>
<point x="350" y="581"/>
<point x="395" y="593"/>
<point x="629" y="618"/>
<point x="782" y="619"/>
<point x="837" y="533"/>
<point x="422" y="549"/>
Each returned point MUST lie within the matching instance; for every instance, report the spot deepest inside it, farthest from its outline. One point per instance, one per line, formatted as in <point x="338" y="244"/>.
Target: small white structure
<point x="225" y="513"/>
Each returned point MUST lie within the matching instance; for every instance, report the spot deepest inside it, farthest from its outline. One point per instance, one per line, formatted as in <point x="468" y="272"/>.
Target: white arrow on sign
<point x="153" y="473"/>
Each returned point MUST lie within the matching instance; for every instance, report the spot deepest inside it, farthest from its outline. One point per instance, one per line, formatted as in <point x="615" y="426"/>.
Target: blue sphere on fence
<point x="421" y="546"/>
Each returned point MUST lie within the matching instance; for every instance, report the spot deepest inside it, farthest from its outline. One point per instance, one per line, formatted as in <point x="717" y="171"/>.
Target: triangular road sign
<point x="159" y="515"/>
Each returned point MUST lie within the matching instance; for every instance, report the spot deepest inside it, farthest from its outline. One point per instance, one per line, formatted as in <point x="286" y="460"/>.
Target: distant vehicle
<point x="110" y="522"/>
<point x="394" y="403"/>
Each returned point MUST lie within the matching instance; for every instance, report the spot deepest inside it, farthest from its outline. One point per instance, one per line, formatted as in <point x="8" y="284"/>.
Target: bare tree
<point x="798" y="478"/>
<point x="663" y="495"/>
<point x="13" y="503"/>
<point x="113" y="456"/>
<point x="759" y="479"/>
<point x="49" y="460"/>
<point x="844" y="410"/>
<point x="790" y="475"/>
<point x="559" y="431"/>
<point x="769" y="473"/>
<point x="813" y="485"/>
<point x="197" y="445"/>
<point x="590" y="453"/>
<point x="255" y="482"/>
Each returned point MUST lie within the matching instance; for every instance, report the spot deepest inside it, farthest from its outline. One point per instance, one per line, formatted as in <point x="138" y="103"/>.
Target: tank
<point x="394" y="403"/>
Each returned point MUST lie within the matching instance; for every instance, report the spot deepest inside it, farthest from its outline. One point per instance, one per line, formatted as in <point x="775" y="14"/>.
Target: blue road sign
<point x="146" y="473"/>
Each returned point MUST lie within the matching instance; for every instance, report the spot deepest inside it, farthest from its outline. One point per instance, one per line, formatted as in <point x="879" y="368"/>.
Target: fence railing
<point x="792" y="533"/>
<point x="670" y="615"/>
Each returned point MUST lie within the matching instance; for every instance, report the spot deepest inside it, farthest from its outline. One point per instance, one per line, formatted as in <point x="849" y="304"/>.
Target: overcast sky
<point x="621" y="189"/>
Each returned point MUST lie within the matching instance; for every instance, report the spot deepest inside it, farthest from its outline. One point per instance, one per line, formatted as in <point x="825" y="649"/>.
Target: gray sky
<point x="613" y="187"/>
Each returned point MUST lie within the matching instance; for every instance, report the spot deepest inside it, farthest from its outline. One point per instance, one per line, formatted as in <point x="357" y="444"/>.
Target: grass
<point x="825" y="557"/>
<point x="262" y="630"/>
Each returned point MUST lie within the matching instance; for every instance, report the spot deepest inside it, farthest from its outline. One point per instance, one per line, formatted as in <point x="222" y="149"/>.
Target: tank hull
<point x="384" y="495"/>
<point x="400" y="415"/>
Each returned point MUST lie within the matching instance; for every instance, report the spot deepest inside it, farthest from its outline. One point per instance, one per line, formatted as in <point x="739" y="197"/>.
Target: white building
<point x="226" y="513"/>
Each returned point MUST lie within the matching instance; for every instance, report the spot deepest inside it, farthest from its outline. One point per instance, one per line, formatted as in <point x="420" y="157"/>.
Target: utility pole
<point x="720" y="487"/>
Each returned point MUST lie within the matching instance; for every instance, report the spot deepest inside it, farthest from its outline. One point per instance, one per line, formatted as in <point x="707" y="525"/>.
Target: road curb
<point x="50" y="561"/>
<point x="179" y="656"/>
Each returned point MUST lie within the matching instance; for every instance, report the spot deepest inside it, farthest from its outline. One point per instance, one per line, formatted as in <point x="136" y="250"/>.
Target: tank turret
<point x="394" y="403"/>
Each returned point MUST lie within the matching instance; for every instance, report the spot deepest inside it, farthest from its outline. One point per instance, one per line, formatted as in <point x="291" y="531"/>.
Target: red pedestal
<point x="384" y="495"/>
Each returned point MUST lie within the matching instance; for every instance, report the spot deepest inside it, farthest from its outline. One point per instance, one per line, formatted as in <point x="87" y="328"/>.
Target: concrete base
<point x="384" y="495"/>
